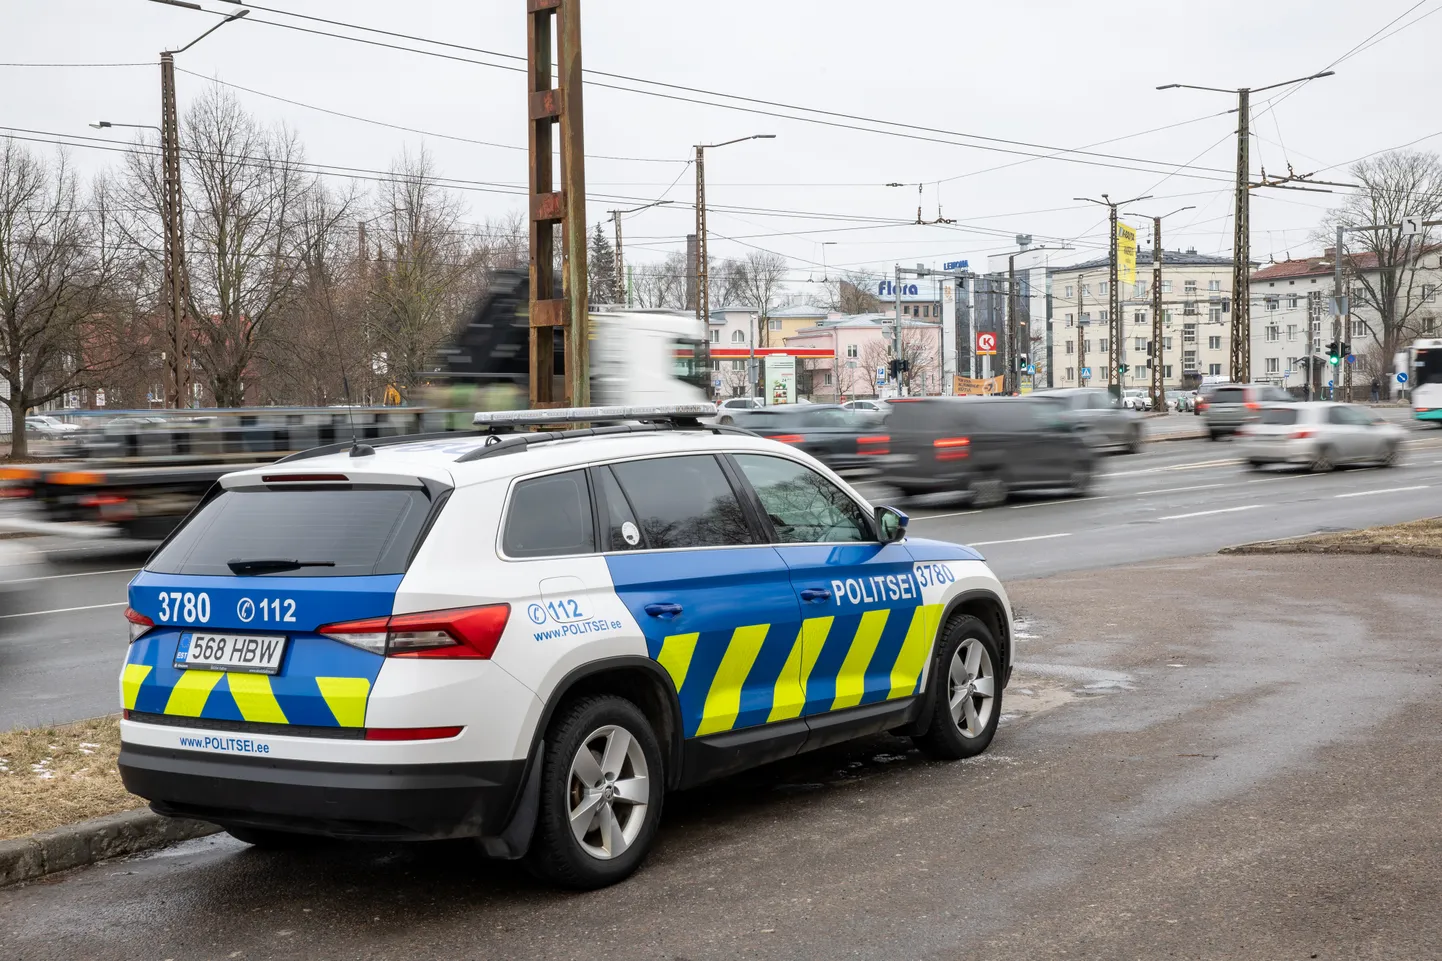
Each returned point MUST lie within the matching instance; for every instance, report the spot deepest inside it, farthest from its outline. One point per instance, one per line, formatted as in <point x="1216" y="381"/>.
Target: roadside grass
<point x="1414" y="539"/>
<point x="54" y="776"/>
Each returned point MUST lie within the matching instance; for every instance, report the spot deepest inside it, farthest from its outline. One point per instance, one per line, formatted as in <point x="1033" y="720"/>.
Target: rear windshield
<point x="1279" y="416"/>
<point x="359" y="532"/>
<point x="1229" y="395"/>
<point x="930" y="415"/>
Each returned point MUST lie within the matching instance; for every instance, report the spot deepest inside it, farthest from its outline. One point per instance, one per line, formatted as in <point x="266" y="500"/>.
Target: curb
<point x="89" y="842"/>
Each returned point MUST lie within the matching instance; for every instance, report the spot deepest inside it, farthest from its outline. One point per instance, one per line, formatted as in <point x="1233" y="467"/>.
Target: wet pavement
<point x="1242" y="772"/>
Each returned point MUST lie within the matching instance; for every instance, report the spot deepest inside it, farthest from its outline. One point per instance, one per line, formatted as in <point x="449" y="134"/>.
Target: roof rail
<point x="676" y="414"/>
<point x="378" y="442"/>
<point x="499" y="444"/>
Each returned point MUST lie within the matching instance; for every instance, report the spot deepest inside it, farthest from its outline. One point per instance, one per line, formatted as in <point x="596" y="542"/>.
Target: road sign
<point x="986" y="344"/>
<point x="1411" y="226"/>
<point x="956" y="265"/>
<point x="716" y="383"/>
<point x="1351" y="358"/>
<point x="1086" y="373"/>
<point x="881" y="375"/>
<point x="1329" y="385"/>
<point x="1031" y="368"/>
<point x="1401" y="378"/>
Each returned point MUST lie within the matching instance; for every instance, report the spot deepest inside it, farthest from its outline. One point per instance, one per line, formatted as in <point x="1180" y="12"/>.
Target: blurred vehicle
<point x="1134" y="399"/>
<point x="988" y="447"/>
<point x="1319" y="436"/>
<point x="48" y="427"/>
<point x="875" y="406"/>
<point x="1423" y="365"/>
<point x="727" y="409"/>
<point x="1228" y="406"/>
<point x="841" y="439"/>
<point x="1181" y="401"/>
<point x="1096" y="416"/>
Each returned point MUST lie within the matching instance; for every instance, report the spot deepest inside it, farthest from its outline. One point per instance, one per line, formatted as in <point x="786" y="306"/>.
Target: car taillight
<point x="139" y="624"/>
<point x="1202" y="405"/>
<point x="467" y="633"/>
<point x="789" y="438"/>
<point x="952" y="448"/>
<point x="411" y="733"/>
<point x="16" y="492"/>
<point x="878" y="444"/>
<point x="1254" y="406"/>
<point x="1302" y="435"/>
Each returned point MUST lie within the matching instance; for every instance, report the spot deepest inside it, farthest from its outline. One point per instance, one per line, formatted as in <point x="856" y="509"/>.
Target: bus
<point x="1423" y="367"/>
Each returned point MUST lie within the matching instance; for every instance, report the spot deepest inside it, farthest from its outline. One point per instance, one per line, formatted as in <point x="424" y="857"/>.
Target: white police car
<point x="529" y="637"/>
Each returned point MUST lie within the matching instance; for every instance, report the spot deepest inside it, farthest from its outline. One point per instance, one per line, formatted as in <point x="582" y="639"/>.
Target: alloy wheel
<point x="971" y="687"/>
<point x="610" y="790"/>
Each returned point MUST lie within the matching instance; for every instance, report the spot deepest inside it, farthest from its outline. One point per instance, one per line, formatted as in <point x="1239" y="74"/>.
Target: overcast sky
<point x="1051" y="73"/>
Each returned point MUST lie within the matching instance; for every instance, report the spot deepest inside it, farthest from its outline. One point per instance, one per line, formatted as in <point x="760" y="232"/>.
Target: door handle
<point x="815" y="594"/>
<point x="663" y="611"/>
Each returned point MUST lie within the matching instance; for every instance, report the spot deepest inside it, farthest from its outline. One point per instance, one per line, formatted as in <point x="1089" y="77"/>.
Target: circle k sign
<point x="986" y="343"/>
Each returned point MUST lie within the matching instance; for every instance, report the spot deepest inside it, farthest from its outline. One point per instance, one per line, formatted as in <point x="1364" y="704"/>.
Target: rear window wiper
<point x="271" y="565"/>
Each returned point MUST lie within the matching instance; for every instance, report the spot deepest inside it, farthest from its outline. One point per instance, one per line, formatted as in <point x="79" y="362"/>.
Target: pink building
<point x="862" y="343"/>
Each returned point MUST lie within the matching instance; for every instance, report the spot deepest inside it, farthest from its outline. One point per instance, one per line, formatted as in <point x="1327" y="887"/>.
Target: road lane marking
<point x="1229" y="462"/>
<point x="1019" y="540"/>
<point x="933" y="517"/>
<point x="63" y="610"/>
<point x="1225" y="510"/>
<point x="1113" y="497"/>
<point x="53" y="577"/>
<point x="1390" y="490"/>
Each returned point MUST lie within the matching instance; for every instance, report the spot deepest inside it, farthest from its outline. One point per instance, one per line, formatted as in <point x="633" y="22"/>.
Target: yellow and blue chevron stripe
<point x="759" y="673"/>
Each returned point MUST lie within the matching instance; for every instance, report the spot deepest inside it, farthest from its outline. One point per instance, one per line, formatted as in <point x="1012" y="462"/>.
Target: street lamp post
<point x="1159" y="386"/>
<point x="177" y="283"/>
<point x="623" y="289"/>
<point x="703" y="295"/>
<point x="1114" y="326"/>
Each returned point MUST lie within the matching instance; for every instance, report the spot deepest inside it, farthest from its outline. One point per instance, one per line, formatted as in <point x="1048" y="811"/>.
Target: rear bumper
<point x="1279" y="452"/>
<point x="363" y="801"/>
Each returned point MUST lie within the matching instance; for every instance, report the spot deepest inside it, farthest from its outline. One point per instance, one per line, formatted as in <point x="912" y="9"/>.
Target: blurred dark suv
<point x="989" y="447"/>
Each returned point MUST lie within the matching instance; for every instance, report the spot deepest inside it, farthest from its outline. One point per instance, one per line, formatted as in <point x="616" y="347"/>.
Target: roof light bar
<point x="589" y="415"/>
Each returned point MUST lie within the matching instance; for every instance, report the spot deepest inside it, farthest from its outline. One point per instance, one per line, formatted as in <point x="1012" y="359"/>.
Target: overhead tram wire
<point x="987" y="145"/>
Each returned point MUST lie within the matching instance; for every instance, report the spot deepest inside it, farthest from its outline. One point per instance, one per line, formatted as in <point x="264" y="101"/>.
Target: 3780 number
<point x="188" y="607"/>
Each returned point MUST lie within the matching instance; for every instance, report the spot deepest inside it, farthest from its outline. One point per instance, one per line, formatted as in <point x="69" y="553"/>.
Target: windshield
<point x="1429" y="366"/>
<point x="358" y="532"/>
<point x="693" y="360"/>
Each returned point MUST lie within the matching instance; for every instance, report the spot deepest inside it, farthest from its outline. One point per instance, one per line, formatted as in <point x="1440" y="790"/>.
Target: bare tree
<point x="918" y="352"/>
<point x="418" y="287"/>
<point x="1393" y="185"/>
<point x="663" y="285"/>
<point x="57" y="331"/>
<point x="847" y="294"/>
<point x="760" y="285"/>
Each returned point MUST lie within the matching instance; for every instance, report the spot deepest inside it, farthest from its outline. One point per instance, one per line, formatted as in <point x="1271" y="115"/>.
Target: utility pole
<point x="550" y="209"/>
<point x="1081" y="339"/>
<point x="623" y="287"/>
<point x="1159" y="385"/>
<point x="1011" y="377"/>
<point x="896" y="333"/>
<point x="177" y="286"/>
<point x="702" y="271"/>
<point x="1241" y="344"/>
<point x="1337" y="310"/>
<point x="1114" y="325"/>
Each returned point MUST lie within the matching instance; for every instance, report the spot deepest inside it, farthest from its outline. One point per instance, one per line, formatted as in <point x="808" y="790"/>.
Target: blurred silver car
<point x="1095" y="415"/>
<point x="1319" y="436"/>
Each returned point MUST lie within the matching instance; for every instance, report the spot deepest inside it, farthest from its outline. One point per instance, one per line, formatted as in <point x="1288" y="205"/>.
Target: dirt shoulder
<point x="54" y="776"/>
<point x="1415" y="539"/>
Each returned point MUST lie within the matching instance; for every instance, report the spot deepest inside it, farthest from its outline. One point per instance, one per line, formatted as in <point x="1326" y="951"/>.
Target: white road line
<point x="1113" y="497"/>
<point x="1019" y="540"/>
<point x="63" y="610"/>
<point x="54" y="577"/>
<point x="1225" y="510"/>
<point x="1390" y="490"/>
<point x="1229" y="462"/>
<point x="933" y="517"/>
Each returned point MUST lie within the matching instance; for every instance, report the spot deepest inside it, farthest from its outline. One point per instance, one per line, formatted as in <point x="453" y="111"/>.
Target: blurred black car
<point x="988" y="447"/>
<point x="841" y="439"/>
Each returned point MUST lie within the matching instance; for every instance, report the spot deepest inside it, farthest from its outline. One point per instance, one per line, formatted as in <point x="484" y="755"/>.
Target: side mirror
<point x="891" y="524"/>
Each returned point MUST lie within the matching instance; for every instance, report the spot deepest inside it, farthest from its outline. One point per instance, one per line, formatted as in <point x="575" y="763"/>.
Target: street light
<point x="703" y="295"/>
<point x="622" y="288"/>
<point x="106" y="125"/>
<point x="1114" y="327"/>
<point x="176" y="281"/>
<point x="1159" y="386"/>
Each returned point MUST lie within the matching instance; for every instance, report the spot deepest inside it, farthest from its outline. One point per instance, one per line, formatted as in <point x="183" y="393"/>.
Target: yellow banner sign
<point x="1127" y="254"/>
<point x="977" y="387"/>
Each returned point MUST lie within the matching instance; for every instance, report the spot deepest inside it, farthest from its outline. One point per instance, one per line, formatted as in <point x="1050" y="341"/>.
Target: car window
<point x="804" y="507"/>
<point x="1102" y="400"/>
<point x="830" y="417"/>
<point x="1228" y="395"/>
<point x="1355" y="416"/>
<point x="1279" y="416"/>
<point x="1275" y="394"/>
<point x="356" y="532"/>
<point x="683" y="502"/>
<point x="550" y="517"/>
<point x="1008" y="416"/>
<point x="620" y="531"/>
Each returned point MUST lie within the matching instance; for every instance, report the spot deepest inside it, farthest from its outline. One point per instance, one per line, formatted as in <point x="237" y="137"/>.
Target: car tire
<point x="1214" y="435"/>
<point x="725" y="421"/>
<point x="1255" y="465"/>
<point x="569" y="781"/>
<point x="1134" y="441"/>
<point x="990" y="490"/>
<point x="1082" y="478"/>
<point x="1325" y="462"/>
<point x="271" y="840"/>
<point x="1392" y="457"/>
<point x="968" y="653"/>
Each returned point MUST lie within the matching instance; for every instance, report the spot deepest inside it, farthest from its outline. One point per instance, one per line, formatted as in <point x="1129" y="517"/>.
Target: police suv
<point x="529" y="637"/>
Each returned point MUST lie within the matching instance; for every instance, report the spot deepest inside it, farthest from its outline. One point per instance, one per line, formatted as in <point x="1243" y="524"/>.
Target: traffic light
<point x="894" y="368"/>
<point x="1123" y="368"/>
<point x="1022" y="362"/>
<point x="1334" y="356"/>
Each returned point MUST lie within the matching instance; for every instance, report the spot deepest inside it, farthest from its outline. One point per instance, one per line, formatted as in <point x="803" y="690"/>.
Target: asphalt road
<point x="1244" y="770"/>
<point x="59" y="654"/>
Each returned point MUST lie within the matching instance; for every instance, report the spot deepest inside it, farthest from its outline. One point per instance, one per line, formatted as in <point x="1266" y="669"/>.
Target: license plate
<point x="241" y="653"/>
